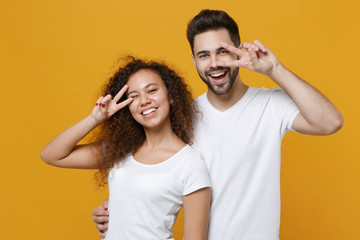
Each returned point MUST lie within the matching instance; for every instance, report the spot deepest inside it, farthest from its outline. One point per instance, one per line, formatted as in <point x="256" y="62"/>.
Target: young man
<point x="240" y="129"/>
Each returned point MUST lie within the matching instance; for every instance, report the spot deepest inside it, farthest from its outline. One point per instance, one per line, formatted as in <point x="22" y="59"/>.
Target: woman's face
<point x="150" y="106"/>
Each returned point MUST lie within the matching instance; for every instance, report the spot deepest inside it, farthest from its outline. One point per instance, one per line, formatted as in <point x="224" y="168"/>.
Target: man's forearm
<point x="314" y="107"/>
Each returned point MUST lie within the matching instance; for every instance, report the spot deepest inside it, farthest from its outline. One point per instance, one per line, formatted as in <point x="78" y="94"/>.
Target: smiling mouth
<point x="219" y="76"/>
<point x="149" y="111"/>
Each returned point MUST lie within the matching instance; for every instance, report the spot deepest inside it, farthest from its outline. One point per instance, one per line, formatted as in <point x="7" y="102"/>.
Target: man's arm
<point x="318" y="116"/>
<point x="101" y="218"/>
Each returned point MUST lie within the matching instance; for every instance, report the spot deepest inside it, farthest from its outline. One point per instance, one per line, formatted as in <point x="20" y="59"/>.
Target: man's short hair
<point x="208" y="20"/>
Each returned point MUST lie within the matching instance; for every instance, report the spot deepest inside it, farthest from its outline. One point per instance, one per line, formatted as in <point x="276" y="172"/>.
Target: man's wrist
<point x="278" y="72"/>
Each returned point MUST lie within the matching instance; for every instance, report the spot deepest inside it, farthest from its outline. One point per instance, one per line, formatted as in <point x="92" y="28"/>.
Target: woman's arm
<point x="63" y="150"/>
<point x="196" y="214"/>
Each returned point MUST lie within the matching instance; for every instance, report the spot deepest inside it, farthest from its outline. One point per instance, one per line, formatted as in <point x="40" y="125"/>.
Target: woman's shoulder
<point x="193" y="157"/>
<point x="195" y="173"/>
<point x="193" y="152"/>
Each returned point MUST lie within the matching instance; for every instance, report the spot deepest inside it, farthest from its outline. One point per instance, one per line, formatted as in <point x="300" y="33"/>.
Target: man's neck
<point x="226" y="101"/>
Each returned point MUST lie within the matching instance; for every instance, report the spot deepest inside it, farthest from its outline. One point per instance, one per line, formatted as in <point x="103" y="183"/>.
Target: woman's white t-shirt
<point x="144" y="200"/>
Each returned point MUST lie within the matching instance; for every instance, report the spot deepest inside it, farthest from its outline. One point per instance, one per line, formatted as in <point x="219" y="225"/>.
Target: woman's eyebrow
<point x="131" y="92"/>
<point x="151" y="84"/>
<point x="147" y="86"/>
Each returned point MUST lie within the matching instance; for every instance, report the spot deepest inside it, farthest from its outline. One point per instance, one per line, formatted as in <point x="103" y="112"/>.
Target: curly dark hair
<point x="208" y="20"/>
<point x="121" y="134"/>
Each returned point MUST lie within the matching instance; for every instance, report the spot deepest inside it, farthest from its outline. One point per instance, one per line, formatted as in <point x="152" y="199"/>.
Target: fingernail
<point x="103" y="105"/>
<point x="96" y="104"/>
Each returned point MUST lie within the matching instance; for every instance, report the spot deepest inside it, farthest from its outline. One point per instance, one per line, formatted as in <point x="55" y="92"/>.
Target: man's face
<point x="207" y="51"/>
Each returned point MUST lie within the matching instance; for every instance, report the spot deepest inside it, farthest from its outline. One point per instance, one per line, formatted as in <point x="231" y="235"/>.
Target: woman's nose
<point x="144" y="99"/>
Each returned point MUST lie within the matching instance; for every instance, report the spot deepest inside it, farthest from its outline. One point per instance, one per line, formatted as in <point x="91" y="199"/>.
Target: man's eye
<point x="223" y="52"/>
<point x="203" y="56"/>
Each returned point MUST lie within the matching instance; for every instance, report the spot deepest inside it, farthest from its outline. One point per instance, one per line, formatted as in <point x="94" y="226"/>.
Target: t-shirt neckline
<point x="229" y="110"/>
<point x="160" y="163"/>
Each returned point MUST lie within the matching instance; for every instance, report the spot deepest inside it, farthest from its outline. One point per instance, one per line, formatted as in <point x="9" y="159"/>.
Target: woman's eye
<point x="133" y="96"/>
<point x="152" y="90"/>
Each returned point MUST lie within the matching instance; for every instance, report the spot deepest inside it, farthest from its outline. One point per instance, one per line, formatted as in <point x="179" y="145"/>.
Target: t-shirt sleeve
<point x="195" y="175"/>
<point x="285" y="109"/>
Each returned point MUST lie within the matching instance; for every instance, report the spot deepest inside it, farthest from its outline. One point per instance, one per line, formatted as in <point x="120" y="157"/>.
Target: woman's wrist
<point x="92" y="121"/>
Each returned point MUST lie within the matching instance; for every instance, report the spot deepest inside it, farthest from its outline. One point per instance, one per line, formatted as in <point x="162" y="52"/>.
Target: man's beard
<point x="224" y="88"/>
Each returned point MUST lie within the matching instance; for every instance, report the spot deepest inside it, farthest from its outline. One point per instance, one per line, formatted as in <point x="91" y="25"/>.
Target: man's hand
<point x="318" y="116"/>
<point x="255" y="57"/>
<point x="101" y="218"/>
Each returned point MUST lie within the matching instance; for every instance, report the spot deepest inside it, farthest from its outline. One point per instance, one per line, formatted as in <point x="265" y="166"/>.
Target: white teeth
<point x="148" y="111"/>
<point x="218" y="74"/>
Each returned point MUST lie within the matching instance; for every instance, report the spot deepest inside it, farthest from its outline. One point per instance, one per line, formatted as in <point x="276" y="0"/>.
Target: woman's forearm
<point x="64" y="144"/>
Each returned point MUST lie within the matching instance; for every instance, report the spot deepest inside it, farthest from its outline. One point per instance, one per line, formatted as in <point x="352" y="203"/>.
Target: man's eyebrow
<point x="147" y="86"/>
<point x="202" y="52"/>
<point x="207" y="51"/>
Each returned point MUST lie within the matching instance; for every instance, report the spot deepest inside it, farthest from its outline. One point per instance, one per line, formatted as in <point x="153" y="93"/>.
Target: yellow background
<point x="54" y="56"/>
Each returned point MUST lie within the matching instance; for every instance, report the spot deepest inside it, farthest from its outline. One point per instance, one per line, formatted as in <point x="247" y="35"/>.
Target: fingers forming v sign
<point x="105" y="107"/>
<point x="255" y="57"/>
<point x="245" y="57"/>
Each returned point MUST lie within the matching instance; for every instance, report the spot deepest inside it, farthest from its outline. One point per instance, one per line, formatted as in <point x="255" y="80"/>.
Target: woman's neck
<point x="161" y="137"/>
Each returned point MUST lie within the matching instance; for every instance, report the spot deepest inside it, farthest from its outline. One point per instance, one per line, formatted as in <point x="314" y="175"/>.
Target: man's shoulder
<point x="201" y="101"/>
<point x="201" y="97"/>
<point x="265" y="90"/>
<point x="266" y="93"/>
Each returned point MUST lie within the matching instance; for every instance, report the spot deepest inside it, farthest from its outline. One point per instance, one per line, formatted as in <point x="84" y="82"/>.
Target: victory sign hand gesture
<point x="255" y="57"/>
<point x="105" y="107"/>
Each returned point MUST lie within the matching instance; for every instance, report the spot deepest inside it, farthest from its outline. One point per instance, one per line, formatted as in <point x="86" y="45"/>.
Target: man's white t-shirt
<point x="241" y="148"/>
<point x="144" y="200"/>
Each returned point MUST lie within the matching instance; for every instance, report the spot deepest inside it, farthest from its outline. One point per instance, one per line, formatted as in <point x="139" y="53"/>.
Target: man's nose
<point x="213" y="60"/>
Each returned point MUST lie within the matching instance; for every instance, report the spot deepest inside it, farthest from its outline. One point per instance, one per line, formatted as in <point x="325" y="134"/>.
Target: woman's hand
<point x="63" y="150"/>
<point x="105" y="107"/>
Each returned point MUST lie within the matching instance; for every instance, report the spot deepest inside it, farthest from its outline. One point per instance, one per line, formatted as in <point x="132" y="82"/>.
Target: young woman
<point x="143" y="151"/>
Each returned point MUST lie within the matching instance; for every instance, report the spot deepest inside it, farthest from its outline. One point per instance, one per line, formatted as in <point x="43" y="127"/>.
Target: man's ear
<point x="193" y="58"/>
